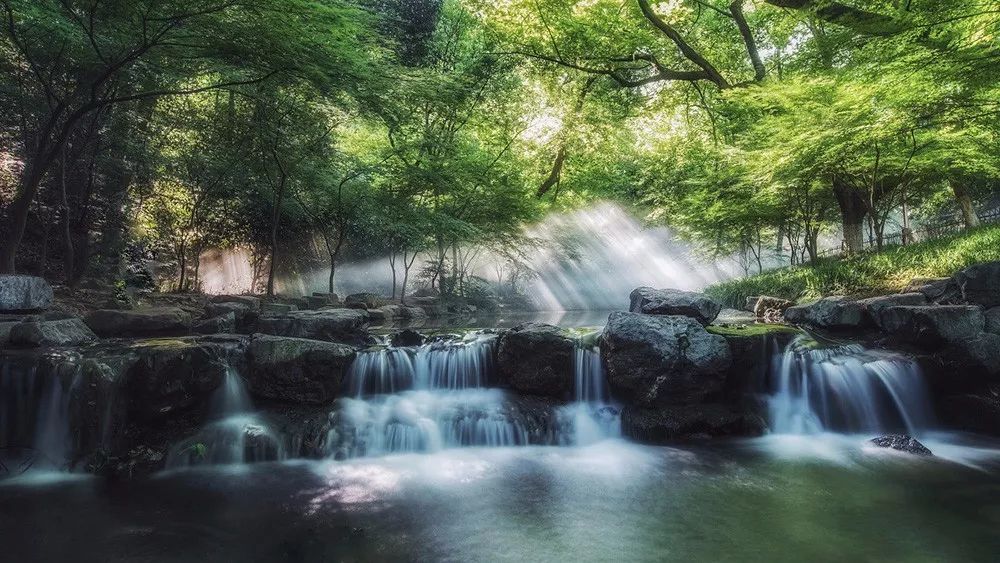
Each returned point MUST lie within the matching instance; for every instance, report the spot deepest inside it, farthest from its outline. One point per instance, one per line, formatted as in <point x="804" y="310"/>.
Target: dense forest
<point x="431" y="131"/>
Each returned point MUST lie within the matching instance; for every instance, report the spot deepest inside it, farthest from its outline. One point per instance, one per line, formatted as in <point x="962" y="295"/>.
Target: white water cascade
<point x="35" y="418"/>
<point x="446" y="364"/>
<point x="234" y="436"/>
<point x="594" y="416"/>
<point x="426" y="398"/>
<point x="438" y="396"/>
<point x="846" y="389"/>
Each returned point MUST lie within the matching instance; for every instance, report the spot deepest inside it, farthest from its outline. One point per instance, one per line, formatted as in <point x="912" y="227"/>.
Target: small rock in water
<point x="902" y="443"/>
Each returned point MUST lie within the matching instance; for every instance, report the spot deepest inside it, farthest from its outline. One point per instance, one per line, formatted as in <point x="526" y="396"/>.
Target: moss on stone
<point x="755" y="329"/>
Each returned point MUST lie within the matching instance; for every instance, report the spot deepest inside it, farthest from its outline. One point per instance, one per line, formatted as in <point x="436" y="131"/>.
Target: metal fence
<point x="929" y="231"/>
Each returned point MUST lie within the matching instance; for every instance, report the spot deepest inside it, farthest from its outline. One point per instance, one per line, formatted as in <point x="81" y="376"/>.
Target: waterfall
<point x="425" y="421"/>
<point x="35" y="429"/>
<point x="232" y="397"/>
<point x="233" y="436"/>
<point x="593" y="416"/>
<point x="846" y="389"/>
<point x="451" y="364"/>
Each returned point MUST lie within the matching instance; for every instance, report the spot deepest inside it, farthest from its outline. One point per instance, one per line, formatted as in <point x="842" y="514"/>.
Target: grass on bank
<point x="867" y="274"/>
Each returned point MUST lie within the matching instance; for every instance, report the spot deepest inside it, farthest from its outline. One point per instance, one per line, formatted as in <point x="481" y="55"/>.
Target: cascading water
<point x="35" y="418"/>
<point x="448" y="364"/>
<point x="846" y="389"/>
<point x="235" y="435"/>
<point x="594" y="416"/>
<point x="426" y="398"/>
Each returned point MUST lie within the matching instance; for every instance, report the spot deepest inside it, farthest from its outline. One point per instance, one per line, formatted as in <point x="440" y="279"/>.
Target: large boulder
<point x="935" y="290"/>
<point x="975" y="359"/>
<point x="160" y="321"/>
<point x="365" y="300"/>
<point x="24" y="293"/>
<point x="980" y="284"/>
<point x="248" y="301"/>
<point x="992" y="320"/>
<point x="835" y="313"/>
<point x="900" y="442"/>
<point x="874" y="306"/>
<point x="407" y="337"/>
<point x="650" y="301"/>
<point x="537" y="358"/>
<point x="347" y="326"/>
<point x="164" y="376"/>
<point x="244" y="314"/>
<point x="297" y="370"/>
<point x="658" y="360"/>
<point x="973" y="412"/>
<point x="222" y="324"/>
<point x="5" y="328"/>
<point x="932" y="325"/>
<point x="276" y="309"/>
<point x="65" y="332"/>
<point x="678" y="422"/>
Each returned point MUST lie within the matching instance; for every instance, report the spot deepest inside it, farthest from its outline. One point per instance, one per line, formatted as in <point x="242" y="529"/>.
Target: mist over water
<point x="589" y="259"/>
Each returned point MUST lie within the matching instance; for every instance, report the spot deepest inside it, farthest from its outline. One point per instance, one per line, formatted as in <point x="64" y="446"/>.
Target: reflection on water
<point x="608" y="501"/>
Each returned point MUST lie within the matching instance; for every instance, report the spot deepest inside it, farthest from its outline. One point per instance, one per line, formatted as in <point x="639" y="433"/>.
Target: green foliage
<point x="867" y="274"/>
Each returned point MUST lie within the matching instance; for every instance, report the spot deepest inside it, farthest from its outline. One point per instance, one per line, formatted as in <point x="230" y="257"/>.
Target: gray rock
<point x="391" y="311"/>
<point x="297" y="370"/>
<point x="347" y="326"/>
<point x="975" y="358"/>
<point x="276" y="309"/>
<point x="537" y="358"/>
<point x="24" y="293"/>
<point x="901" y="443"/>
<point x="407" y="337"/>
<point x="314" y="302"/>
<point x="875" y="305"/>
<point x="164" y="376"/>
<point x="222" y="324"/>
<point x="408" y="312"/>
<point x="366" y="300"/>
<point x="936" y="290"/>
<point x="65" y="332"/>
<point x="932" y="325"/>
<point x="5" y="327"/>
<point x="838" y="313"/>
<point x="678" y="422"/>
<point x="980" y="284"/>
<point x="651" y="301"/>
<point x="992" y="320"/>
<point x="658" y="360"/>
<point x="248" y="301"/>
<point x="163" y="321"/>
<point x="978" y="413"/>
<point x="379" y="315"/>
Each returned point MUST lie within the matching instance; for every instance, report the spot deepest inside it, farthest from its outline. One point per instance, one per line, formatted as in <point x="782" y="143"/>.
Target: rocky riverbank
<point x="134" y="383"/>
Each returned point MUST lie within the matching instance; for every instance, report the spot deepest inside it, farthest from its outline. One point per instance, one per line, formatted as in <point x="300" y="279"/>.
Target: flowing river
<point x="428" y="461"/>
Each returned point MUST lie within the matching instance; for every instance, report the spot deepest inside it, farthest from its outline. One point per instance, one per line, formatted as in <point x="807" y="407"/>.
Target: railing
<point x="927" y="232"/>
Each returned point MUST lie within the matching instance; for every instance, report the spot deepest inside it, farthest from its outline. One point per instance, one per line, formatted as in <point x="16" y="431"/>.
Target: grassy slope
<point x="868" y="274"/>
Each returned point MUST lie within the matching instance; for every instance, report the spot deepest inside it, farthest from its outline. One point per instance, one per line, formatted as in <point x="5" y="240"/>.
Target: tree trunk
<point x="69" y="260"/>
<point x="852" y="214"/>
<point x="392" y="266"/>
<point x="275" y="223"/>
<point x="969" y="216"/>
<point x="17" y="217"/>
<point x="182" y="277"/>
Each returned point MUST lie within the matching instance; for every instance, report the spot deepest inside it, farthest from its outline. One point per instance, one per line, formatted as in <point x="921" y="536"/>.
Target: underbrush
<point x="867" y="274"/>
